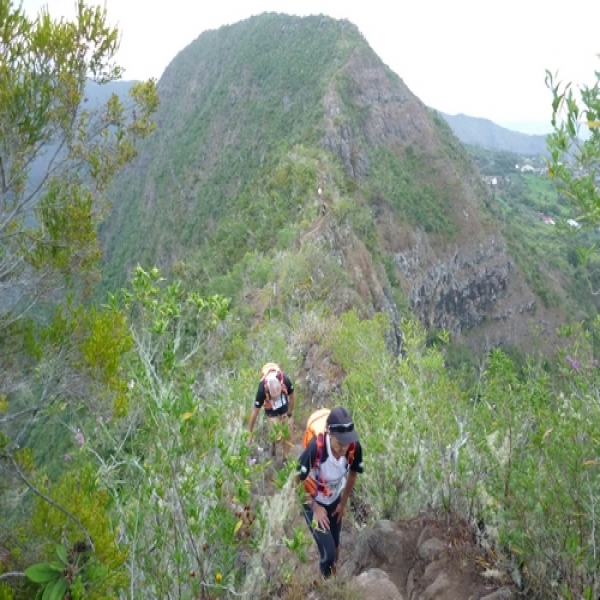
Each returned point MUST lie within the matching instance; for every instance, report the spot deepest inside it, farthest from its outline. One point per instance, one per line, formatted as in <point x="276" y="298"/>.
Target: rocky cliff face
<point x="467" y="284"/>
<point x="470" y="289"/>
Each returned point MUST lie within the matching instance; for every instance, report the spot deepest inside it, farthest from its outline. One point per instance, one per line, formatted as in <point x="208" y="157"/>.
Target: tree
<point x="58" y="157"/>
<point x="574" y="146"/>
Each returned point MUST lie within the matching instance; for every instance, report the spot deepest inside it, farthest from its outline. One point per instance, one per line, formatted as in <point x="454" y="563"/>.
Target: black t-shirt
<point x="261" y="396"/>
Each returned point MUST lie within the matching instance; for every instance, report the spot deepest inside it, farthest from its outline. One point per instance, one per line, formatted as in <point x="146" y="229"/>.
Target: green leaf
<point x="61" y="553"/>
<point x="48" y="590"/>
<point x="41" y="573"/>
<point x="56" y="590"/>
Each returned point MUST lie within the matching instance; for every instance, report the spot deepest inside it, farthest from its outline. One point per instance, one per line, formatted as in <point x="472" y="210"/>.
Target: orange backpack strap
<point x="350" y="454"/>
<point x="320" y="450"/>
<point x="315" y="486"/>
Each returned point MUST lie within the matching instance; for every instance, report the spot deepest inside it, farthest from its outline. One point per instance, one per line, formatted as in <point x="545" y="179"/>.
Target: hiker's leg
<point x="272" y="423"/>
<point x="335" y="528"/>
<point x="288" y="441"/>
<point x="325" y="544"/>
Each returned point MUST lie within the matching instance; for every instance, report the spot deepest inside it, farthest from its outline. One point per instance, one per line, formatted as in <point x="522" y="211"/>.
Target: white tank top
<point x="333" y="472"/>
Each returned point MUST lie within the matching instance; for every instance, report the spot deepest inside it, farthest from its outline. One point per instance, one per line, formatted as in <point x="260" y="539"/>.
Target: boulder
<point x="376" y="584"/>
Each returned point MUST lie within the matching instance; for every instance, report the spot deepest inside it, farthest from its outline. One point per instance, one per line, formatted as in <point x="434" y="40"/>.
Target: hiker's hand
<point x="320" y="514"/>
<point x="339" y="511"/>
<point x="249" y="440"/>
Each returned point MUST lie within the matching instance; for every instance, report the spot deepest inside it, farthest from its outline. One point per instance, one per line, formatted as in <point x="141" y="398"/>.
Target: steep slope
<point x="228" y="100"/>
<point x="255" y="119"/>
<point x="486" y="133"/>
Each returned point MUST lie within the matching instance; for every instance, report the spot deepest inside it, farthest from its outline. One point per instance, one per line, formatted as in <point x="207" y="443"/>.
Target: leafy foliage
<point x="57" y="158"/>
<point x="574" y="148"/>
<point x="575" y="145"/>
<point x="516" y="454"/>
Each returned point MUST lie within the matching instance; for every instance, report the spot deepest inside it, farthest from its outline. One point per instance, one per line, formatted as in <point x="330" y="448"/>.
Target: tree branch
<point x="16" y="415"/>
<point x="12" y="574"/>
<point x="53" y="503"/>
<point x="2" y="177"/>
<point x="45" y="392"/>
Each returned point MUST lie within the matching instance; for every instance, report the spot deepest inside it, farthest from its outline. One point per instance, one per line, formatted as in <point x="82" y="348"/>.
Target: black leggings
<point x="327" y="541"/>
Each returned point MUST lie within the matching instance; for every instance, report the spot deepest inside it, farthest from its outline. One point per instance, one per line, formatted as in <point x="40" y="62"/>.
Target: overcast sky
<point x="477" y="57"/>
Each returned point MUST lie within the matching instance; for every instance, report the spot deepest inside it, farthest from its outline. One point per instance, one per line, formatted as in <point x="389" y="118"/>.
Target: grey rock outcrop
<point x="389" y="561"/>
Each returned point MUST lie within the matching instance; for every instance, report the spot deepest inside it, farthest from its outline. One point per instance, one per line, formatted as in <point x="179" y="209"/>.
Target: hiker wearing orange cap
<point x="276" y="394"/>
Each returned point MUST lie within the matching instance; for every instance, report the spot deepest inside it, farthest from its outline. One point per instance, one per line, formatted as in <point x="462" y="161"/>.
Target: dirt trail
<point x="318" y="225"/>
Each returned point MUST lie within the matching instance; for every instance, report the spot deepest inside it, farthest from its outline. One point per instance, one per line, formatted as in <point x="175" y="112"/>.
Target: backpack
<point x="316" y="426"/>
<point x="267" y="369"/>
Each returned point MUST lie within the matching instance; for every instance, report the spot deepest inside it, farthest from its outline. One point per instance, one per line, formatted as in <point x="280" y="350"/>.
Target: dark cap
<point x="341" y="426"/>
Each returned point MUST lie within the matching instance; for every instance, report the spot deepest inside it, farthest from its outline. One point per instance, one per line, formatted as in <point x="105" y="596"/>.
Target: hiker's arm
<point x="348" y="489"/>
<point x="258" y="404"/>
<point x="341" y="507"/>
<point x="253" y="417"/>
<point x="305" y="462"/>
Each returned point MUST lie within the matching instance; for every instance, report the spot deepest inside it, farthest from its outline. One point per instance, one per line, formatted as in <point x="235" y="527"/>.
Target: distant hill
<point x="483" y="132"/>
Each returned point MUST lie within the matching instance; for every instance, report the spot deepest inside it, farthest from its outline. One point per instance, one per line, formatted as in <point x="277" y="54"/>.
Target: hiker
<point x="328" y="468"/>
<point x="276" y="393"/>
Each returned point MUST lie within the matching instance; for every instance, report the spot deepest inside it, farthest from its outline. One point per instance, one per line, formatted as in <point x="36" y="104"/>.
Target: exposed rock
<point x="424" y="535"/>
<point x="377" y="584"/>
<point x="386" y="542"/>
<point x="423" y="559"/>
<point x="321" y="377"/>
<point x="441" y="588"/>
<point x="431" y="549"/>
<point x="341" y="142"/>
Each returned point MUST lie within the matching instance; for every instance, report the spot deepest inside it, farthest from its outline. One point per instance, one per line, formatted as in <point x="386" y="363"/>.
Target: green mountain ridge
<point x="255" y="118"/>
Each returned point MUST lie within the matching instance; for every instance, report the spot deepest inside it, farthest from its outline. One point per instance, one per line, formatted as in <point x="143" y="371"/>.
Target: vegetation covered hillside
<point x="543" y="229"/>
<point x="350" y="239"/>
<point x="228" y="101"/>
<point x="256" y="117"/>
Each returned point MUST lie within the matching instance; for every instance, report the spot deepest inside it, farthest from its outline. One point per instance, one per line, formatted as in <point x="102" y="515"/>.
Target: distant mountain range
<point x="486" y="133"/>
